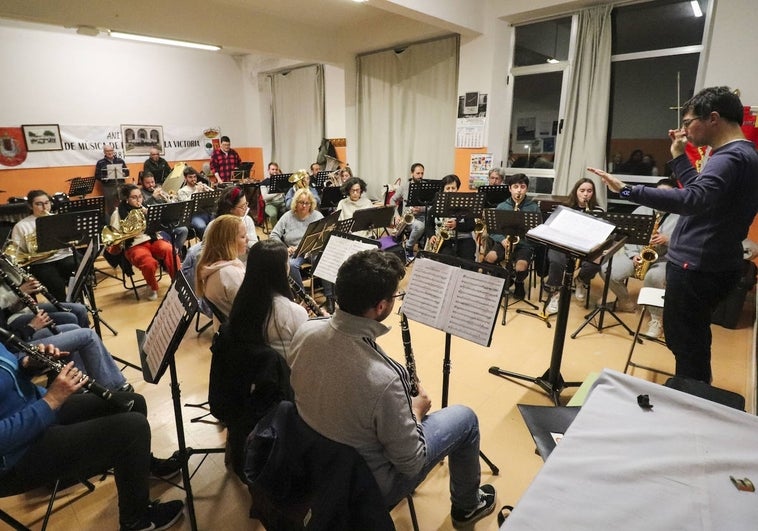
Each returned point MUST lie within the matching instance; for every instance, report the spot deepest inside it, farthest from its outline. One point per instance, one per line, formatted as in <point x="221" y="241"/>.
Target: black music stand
<point x="206" y="202"/>
<point x="85" y="203"/>
<point x="468" y="265"/>
<point x="422" y="194"/>
<point x="242" y="172"/>
<point x="320" y="179"/>
<point x="112" y="177"/>
<point x="636" y="229"/>
<point x="71" y="229"/>
<point x="371" y="219"/>
<point x="81" y="186"/>
<point x="551" y="382"/>
<point x="316" y="234"/>
<point x="279" y="184"/>
<point x="494" y="194"/>
<point x="168" y="216"/>
<point x="330" y="197"/>
<point x="457" y="204"/>
<point x="513" y="224"/>
<point x="344" y="226"/>
<point x="157" y="349"/>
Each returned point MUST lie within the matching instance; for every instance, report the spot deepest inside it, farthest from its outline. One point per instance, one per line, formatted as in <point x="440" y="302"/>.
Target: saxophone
<point x="648" y="254"/>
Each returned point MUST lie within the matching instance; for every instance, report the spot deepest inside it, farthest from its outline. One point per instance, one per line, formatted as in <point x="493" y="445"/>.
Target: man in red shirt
<point x="223" y="161"/>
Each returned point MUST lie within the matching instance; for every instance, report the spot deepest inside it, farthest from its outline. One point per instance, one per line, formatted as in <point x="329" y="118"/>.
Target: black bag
<point x="729" y="310"/>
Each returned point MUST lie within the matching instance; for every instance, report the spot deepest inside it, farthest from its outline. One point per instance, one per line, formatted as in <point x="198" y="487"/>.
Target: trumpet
<point x="299" y="179"/>
<point x="648" y="254"/>
<point x="131" y="227"/>
<point x="57" y="366"/>
<point x="333" y="179"/>
<point x="169" y="197"/>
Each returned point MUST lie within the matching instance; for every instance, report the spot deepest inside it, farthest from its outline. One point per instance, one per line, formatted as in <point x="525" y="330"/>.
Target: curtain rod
<point x="403" y="46"/>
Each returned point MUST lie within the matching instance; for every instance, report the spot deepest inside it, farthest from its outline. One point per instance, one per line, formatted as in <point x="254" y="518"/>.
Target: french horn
<point x="131" y="227"/>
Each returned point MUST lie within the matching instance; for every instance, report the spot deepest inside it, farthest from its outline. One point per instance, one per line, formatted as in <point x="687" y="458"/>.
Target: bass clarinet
<point x="57" y="366"/>
<point x="25" y="276"/>
<point x="410" y="361"/>
<point x="26" y="299"/>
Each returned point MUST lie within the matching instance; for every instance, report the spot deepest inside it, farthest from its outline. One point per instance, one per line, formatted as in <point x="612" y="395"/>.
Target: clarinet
<point x="25" y="298"/>
<point x="301" y="295"/>
<point x="57" y="366"/>
<point x="26" y="276"/>
<point x="410" y="361"/>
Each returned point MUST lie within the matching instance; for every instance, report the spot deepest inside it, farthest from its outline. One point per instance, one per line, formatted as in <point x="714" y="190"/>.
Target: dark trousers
<point x="691" y="297"/>
<point x="460" y="247"/>
<point x="54" y="275"/>
<point x="90" y="438"/>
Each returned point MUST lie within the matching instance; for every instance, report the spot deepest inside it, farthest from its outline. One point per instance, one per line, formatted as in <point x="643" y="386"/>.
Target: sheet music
<point x="460" y="302"/>
<point x="161" y="330"/>
<point x="574" y="230"/>
<point x="336" y="252"/>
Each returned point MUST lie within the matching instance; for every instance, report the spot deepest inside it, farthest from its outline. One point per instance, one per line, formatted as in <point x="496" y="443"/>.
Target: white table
<point x="621" y="467"/>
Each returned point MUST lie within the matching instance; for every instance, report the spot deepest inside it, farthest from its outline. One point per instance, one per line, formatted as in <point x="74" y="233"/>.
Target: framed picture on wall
<point x="42" y="137"/>
<point x="140" y="139"/>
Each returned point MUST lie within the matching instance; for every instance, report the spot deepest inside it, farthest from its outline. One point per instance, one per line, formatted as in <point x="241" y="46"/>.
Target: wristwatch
<point x="625" y="192"/>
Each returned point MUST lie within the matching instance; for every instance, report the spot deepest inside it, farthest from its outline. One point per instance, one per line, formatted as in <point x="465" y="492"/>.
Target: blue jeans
<point x="87" y="352"/>
<point x="452" y="432"/>
<point x="417" y="230"/>
<point x="199" y="222"/>
<point x="691" y="297"/>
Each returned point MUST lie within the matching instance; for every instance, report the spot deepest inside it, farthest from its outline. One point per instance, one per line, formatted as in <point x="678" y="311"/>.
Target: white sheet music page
<point x="459" y="302"/>
<point x="336" y="252"/>
<point x="161" y="330"/>
<point x="573" y="229"/>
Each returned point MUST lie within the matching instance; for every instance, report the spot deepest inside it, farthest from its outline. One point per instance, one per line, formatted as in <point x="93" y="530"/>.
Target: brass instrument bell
<point x="298" y="179"/>
<point x="131" y="227"/>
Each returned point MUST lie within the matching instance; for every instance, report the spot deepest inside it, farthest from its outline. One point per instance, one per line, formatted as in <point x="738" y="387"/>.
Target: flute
<point x="300" y="294"/>
<point x="57" y="366"/>
<point x="410" y="360"/>
<point x="26" y="299"/>
<point x="26" y="276"/>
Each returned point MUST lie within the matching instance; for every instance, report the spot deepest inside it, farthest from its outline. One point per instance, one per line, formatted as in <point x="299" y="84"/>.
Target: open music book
<point x="573" y="230"/>
<point x="460" y="302"/>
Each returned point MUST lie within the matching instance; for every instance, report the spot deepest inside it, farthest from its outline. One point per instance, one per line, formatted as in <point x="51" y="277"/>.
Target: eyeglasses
<point x="686" y="123"/>
<point x="399" y="295"/>
<point x="135" y="197"/>
<point x="304" y="203"/>
<point x="41" y="203"/>
<point x="241" y="206"/>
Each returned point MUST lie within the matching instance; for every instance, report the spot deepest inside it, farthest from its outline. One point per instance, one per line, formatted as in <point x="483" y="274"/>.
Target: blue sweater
<point x="24" y="416"/>
<point x="716" y="207"/>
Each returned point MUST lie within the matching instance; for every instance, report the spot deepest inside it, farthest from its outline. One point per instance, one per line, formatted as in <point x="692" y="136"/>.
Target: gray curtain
<point x="406" y="111"/>
<point x="585" y="130"/>
<point x="297" y="110"/>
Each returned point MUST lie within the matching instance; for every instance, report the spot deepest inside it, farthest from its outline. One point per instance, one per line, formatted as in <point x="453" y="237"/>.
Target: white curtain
<point x="585" y="131"/>
<point x="297" y="109"/>
<point x="407" y="108"/>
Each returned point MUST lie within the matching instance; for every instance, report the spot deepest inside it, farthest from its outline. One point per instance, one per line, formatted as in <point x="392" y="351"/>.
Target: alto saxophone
<point x="648" y="254"/>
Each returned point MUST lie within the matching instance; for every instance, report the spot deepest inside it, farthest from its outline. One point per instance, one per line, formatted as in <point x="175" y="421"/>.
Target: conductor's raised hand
<point x="614" y="184"/>
<point x="678" y="141"/>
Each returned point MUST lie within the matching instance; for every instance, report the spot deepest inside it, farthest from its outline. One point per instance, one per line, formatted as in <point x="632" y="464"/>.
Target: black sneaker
<point x="159" y="516"/>
<point x="165" y="468"/>
<point x="486" y="505"/>
<point x="518" y="291"/>
<point x="126" y="388"/>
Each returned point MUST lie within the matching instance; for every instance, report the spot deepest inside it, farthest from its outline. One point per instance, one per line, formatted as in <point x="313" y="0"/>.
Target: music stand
<point x="319" y="180"/>
<point x="470" y="289"/>
<point x="344" y="226"/>
<point x="373" y="218"/>
<point x="315" y="235"/>
<point x="514" y="224"/>
<point x="494" y="194"/>
<point x="157" y="349"/>
<point x="279" y="183"/>
<point x="207" y="202"/>
<point x="168" y="216"/>
<point x="243" y="171"/>
<point x="637" y="230"/>
<point x="112" y="177"/>
<point x="423" y="192"/>
<point x="330" y="197"/>
<point x="86" y="203"/>
<point x="551" y="382"/>
<point x="81" y="186"/>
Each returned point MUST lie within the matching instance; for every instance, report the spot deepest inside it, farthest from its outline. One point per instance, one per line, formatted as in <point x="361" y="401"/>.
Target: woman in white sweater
<point x="219" y="271"/>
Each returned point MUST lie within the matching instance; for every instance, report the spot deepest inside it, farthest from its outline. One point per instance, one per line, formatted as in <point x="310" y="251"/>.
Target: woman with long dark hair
<point x="263" y="311"/>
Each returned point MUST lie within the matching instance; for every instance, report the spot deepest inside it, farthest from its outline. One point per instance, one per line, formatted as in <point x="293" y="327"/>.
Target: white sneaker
<point x="152" y="295"/>
<point x="581" y="291"/>
<point x="654" y="329"/>
<point x="552" y="306"/>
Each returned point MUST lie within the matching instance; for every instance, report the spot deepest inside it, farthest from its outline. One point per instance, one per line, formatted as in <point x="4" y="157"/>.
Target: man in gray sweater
<point x="350" y="391"/>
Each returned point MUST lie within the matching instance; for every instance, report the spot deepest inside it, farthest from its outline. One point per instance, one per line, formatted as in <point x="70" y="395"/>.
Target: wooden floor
<point x="523" y="345"/>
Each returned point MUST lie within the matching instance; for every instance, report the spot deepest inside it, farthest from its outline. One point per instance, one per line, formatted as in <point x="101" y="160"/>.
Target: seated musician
<point x="354" y="190"/>
<point x="274" y="200"/>
<point x="460" y="241"/>
<point x="628" y="259"/>
<point x="363" y="397"/>
<point x="418" y="224"/>
<point x="263" y="313"/>
<point x="302" y="180"/>
<point x="522" y="252"/>
<point x="55" y="270"/>
<point x="291" y="228"/>
<point x="59" y="433"/>
<point x="199" y="221"/>
<point x="153" y="194"/>
<point x="496" y="177"/>
<point x="144" y="250"/>
<point x="582" y="197"/>
<point x="233" y="201"/>
<point x="219" y="271"/>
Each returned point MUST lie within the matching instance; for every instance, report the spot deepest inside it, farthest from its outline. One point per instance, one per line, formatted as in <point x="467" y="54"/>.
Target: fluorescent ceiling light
<point x="553" y="61"/>
<point x="170" y="42"/>
<point x="696" y="8"/>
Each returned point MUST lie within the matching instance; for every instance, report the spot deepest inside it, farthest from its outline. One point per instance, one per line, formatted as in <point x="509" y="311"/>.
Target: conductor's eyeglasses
<point x="686" y="122"/>
<point x="399" y="295"/>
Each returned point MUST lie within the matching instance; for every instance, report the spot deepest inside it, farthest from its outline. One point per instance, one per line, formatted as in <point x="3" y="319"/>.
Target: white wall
<point x="77" y="80"/>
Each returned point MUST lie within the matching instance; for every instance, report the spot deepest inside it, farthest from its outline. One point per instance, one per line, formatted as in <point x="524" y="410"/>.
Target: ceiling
<point x="330" y="31"/>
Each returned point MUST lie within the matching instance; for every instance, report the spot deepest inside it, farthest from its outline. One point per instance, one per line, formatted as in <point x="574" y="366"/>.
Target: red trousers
<point x="145" y="257"/>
